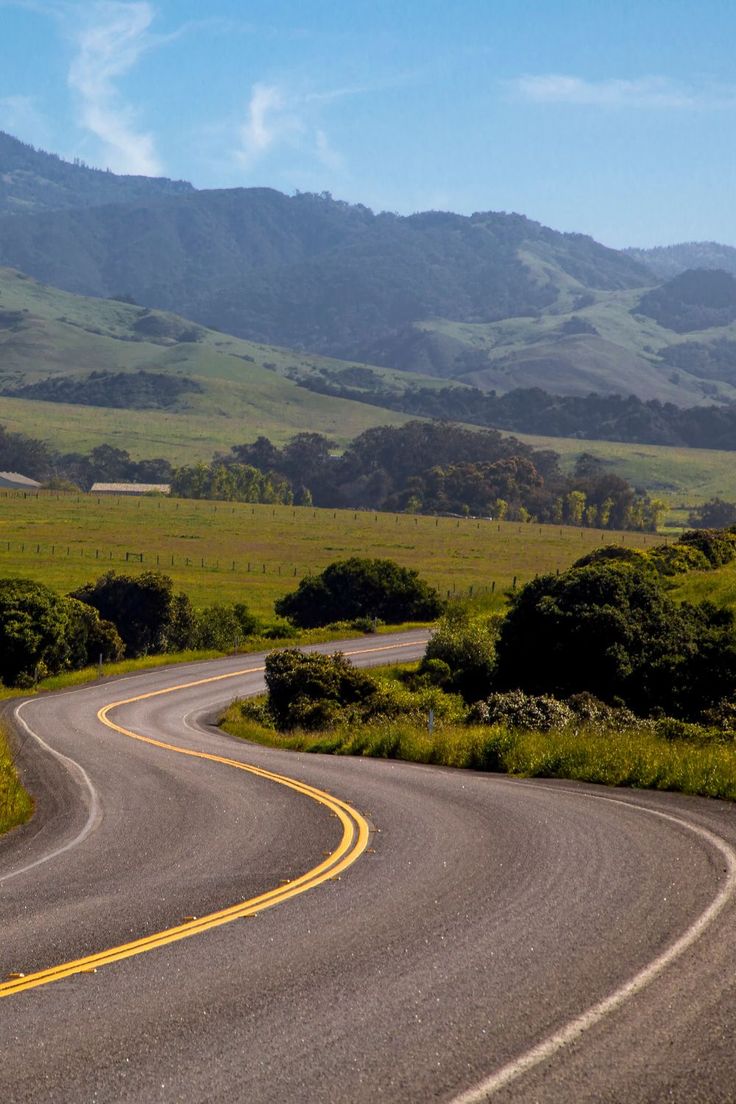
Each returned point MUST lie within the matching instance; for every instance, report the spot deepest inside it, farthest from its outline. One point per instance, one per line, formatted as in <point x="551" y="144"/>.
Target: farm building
<point x="17" y="482"/>
<point x="130" y="488"/>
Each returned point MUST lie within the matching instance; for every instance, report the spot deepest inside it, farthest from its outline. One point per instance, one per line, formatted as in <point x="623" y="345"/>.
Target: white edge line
<point x="556" y="1042"/>
<point x="94" y="815"/>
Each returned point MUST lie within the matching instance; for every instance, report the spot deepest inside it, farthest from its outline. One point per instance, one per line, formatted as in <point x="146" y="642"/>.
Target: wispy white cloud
<point x="279" y="116"/>
<point x="271" y="119"/>
<point x="643" y="92"/>
<point x="109" y="40"/>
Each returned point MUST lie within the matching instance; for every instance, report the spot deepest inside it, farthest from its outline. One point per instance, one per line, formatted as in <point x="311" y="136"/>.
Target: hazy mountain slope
<point x="242" y="388"/>
<point x="307" y="270"/>
<point x="32" y="180"/>
<point x="666" y="261"/>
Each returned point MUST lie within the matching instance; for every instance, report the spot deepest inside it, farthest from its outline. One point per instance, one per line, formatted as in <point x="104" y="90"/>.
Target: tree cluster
<point x="438" y="467"/>
<point x="591" y="417"/>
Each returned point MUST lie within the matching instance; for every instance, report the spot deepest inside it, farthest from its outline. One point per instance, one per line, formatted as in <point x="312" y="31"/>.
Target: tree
<point x="33" y="631"/>
<point x="348" y="589"/>
<point x="143" y="608"/>
<point x="714" y="514"/>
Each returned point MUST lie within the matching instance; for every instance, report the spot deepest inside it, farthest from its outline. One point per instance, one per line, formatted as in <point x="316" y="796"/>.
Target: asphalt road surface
<point x="491" y="939"/>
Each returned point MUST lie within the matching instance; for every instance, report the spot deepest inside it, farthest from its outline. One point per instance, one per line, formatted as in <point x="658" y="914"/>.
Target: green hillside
<point x="243" y="388"/>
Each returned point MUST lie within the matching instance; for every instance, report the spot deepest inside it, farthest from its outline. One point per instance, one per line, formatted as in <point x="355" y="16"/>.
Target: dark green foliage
<point x="125" y="390"/>
<point x="42" y="633"/>
<point x="438" y="467"/>
<point x="600" y="417"/>
<point x="694" y="300"/>
<point x="26" y="455"/>
<point x="349" y="589"/>
<point x="33" y="631"/>
<point x="610" y="629"/>
<point x="89" y="637"/>
<point x="313" y="691"/>
<point x="143" y="608"/>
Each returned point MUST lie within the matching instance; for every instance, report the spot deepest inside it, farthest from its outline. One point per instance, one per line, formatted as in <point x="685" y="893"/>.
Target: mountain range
<point x="495" y="300"/>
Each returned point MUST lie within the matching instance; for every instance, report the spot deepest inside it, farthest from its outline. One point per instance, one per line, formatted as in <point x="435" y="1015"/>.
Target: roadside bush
<point x="314" y="691"/>
<point x="360" y="588"/>
<point x="42" y="633"/>
<point x="143" y="608"/>
<point x="515" y="709"/>
<point x="717" y="545"/>
<point x="465" y="647"/>
<point x="611" y="630"/>
<point x="89" y="638"/>
<point x="222" y="627"/>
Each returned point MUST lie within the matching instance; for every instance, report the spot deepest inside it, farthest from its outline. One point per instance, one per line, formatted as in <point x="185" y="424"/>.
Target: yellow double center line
<point x="355" y="835"/>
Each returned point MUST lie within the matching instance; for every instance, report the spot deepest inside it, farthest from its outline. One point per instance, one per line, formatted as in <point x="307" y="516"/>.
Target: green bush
<point x="223" y="627"/>
<point x="465" y="646"/>
<point x="515" y="709"/>
<point x="42" y="633"/>
<point x="610" y="629"/>
<point x="313" y="691"/>
<point x="360" y="588"/>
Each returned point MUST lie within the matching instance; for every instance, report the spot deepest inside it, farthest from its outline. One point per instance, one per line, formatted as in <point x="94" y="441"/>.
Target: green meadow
<point x="221" y="551"/>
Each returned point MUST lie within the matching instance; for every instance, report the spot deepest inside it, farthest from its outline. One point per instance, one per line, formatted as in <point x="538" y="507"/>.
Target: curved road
<point x="495" y="940"/>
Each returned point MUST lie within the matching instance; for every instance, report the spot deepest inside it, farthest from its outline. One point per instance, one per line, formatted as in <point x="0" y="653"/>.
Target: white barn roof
<point x="131" y="488"/>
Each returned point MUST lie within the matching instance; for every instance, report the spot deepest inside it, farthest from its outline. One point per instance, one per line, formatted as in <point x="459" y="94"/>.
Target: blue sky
<point x="607" y="117"/>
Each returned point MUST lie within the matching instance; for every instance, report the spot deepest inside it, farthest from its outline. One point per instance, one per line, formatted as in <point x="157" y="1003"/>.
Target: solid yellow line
<point x="353" y="843"/>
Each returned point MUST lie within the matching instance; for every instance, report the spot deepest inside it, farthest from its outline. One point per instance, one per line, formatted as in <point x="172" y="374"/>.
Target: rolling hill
<point x="229" y="390"/>
<point x="493" y="300"/>
<point x="32" y="180"/>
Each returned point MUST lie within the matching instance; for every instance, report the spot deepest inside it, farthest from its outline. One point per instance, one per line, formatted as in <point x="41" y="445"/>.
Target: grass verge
<point x="16" y="804"/>
<point x="634" y="757"/>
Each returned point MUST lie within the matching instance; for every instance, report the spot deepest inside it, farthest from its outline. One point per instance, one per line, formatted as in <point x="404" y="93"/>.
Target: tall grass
<point x="16" y="805"/>
<point x="634" y="757"/>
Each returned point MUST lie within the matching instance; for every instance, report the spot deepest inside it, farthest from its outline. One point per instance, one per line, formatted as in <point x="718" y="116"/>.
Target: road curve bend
<point x="191" y="918"/>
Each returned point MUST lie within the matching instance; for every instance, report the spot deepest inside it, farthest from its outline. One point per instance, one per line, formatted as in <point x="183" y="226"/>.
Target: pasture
<point x="222" y="551"/>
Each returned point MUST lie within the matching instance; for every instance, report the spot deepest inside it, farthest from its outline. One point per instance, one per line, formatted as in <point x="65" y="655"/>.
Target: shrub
<point x="312" y="691"/>
<point x="515" y="709"/>
<point x="360" y="588"/>
<point x="717" y="545"/>
<point x="42" y="633"/>
<point x="465" y="646"/>
<point x="222" y="627"/>
<point x="610" y="629"/>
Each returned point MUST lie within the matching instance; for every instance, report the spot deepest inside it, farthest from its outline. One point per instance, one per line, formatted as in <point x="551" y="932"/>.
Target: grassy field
<point x="228" y="551"/>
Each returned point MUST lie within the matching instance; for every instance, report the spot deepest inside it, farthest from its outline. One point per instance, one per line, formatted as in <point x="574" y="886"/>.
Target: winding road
<point x="191" y="918"/>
